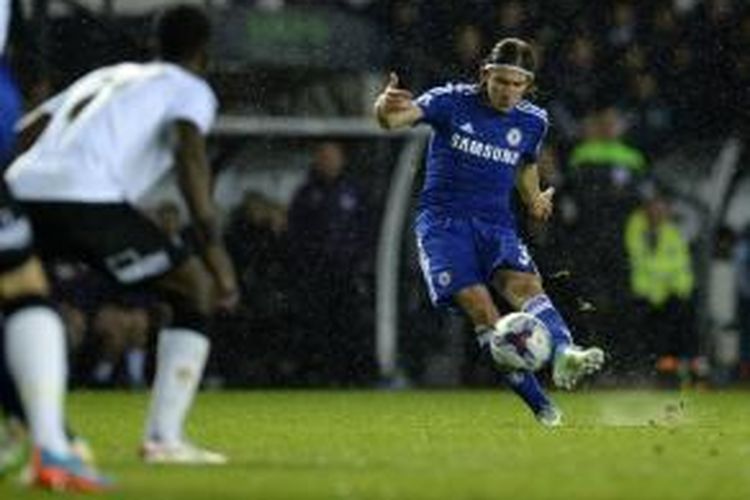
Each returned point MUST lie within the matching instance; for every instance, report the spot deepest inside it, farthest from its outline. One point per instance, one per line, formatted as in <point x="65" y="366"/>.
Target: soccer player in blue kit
<point x="485" y="142"/>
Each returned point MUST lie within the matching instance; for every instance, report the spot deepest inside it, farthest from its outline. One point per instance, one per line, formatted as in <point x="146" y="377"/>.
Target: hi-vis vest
<point x="660" y="271"/>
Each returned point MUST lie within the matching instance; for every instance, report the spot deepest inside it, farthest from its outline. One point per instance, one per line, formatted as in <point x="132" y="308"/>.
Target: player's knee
<point x="477" y="303"/>
<point x="518" y="289"/>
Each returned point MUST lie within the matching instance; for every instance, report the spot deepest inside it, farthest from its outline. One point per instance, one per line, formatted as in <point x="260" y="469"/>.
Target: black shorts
<point x="15" y="232"/>
<point x="113" y="237"/>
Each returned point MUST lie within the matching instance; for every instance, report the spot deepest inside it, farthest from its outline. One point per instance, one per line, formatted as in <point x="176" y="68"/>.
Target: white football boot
<point x="572" y="363"/>
<point x="182" y="452"/>
<point x="549" y="416"/>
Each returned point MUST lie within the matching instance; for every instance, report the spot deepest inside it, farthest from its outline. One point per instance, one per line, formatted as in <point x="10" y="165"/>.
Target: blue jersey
<point x="475" y="152"/>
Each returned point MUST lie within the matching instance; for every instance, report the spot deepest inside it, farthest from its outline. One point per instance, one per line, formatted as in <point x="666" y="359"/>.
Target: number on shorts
<point x="525" y="258"/>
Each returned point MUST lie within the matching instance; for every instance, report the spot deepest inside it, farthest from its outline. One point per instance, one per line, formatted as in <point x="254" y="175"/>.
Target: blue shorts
<point x="455" y="253"/>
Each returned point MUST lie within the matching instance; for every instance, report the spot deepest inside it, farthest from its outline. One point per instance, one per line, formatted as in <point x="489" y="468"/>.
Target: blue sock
<point x="543" y="309"/>
<point x="524" y="384"/>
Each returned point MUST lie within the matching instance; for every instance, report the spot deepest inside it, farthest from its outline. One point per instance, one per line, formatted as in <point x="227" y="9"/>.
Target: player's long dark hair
<point x="512" y="52"/>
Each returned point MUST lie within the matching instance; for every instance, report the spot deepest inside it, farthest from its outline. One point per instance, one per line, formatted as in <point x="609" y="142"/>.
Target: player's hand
<point x="393" y="98"/>
<point x="541" y="207"/>
<point x="227" y="299"/>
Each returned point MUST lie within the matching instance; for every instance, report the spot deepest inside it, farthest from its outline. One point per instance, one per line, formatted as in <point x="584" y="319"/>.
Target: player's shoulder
<point x="119" y="71"/>
<point x="450" y="90"/>
<point x="123" y="73"/>
<point x="187" y="81"/>
<point x="531" y="110"/>
<point x="457" y="88"/>
<point x="178" y="73"/>
<point x="97" y="75"/>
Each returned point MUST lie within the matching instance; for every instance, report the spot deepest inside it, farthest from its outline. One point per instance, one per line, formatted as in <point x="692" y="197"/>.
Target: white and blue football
<point x="521" y="342"/>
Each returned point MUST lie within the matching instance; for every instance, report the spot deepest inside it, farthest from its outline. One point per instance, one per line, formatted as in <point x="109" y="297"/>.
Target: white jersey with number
<point x="111" y="136"/>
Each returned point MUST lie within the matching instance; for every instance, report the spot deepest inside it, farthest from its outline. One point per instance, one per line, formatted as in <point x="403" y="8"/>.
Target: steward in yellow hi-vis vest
<point x="659" y="256"/>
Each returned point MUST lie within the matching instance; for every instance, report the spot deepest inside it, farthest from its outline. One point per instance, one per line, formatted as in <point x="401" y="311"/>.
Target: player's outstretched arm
<point x="194" y="176"/>
<point x="394" y="107"/>
<point x="538" y="202"/>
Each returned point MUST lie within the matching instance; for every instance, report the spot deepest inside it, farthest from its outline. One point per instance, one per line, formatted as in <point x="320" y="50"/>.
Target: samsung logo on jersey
<point x="483" y="150"/>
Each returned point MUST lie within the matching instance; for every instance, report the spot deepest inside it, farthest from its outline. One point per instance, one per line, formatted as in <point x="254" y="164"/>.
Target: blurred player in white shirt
<point x="97" y="147"/>
<point x="33" y="363"/>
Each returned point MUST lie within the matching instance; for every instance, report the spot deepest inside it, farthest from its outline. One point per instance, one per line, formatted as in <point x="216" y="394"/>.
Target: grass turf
<point x="432" y="445"/>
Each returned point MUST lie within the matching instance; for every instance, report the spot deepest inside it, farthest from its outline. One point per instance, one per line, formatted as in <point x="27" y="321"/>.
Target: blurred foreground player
<point x="97" y="147"/>
<point x="33" y="364"/>
<point x="485" y="142"/>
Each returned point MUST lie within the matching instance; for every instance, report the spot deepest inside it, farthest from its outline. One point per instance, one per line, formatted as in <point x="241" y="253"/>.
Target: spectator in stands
<point x="576" y="76"/>
<point x="664" y="34"/>
<point x="649" y="115"/>
<point x="256" y="241"/>
<point x="408" y="30"/>
<point x="512" y="20"/>
<point x="740" y="76"/>
<point x="605" y="148"/>
<point x="468" y="51"/>
<point x="603" y="169"/>
<point x="661" y="282"/>
<point x="634" y="61"/>
<point x="622" y="26"/>
<point x="328" y="243"/>
<point x="712" y="26"/>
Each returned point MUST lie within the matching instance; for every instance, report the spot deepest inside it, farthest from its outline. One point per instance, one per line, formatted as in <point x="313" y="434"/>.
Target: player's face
<point x="505" y="87"/>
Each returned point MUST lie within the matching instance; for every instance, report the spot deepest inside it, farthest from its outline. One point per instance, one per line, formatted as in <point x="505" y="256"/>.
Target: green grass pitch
<point x="432" y="445"/>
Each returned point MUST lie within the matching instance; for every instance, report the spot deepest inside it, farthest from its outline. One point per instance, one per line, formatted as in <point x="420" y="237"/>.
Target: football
<point x="521" y="342"/>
